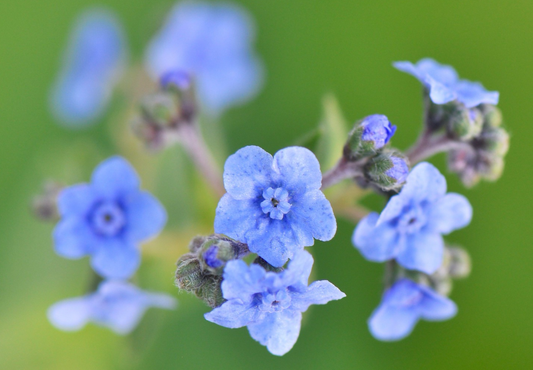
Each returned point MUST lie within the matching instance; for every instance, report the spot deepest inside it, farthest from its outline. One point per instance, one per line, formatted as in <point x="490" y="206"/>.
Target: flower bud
<point x="388" y="170"/>
<point x="492" y="115"/>
<point x="464" y="123"/>
<point x="189" y="276"/>
<point x="211" y="292"/>
<point x="460" y="264"/>
<point x="368" y="136"/>
<point x="473" y="165"/>
<point x="494" y="140"/>
<point x="216" y="250"/>
<point x="44" y="205"/>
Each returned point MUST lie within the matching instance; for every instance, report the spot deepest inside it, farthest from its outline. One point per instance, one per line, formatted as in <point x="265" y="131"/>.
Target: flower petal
<point x="319" y="292"/>
<point x="435" y="307"/>
<point x="472" y="94"/>
<point x="311" y="215"/>
<point x="451" y="212"/>
<point x="274" y="241"/>
<point x="235" y="218"/>
<point x="299" y="269"/>
<point x="234" y="314"/>
<point x="390" y="323"/>
<point x="242" y="281"/>
<point x="392" y="210"/>
<point x="116" y="259"/>
<point x="247" y="172"/>
<point x="71" y="314"/>
<point x="423" y="252"/>
<point x="73" y="238"/>
<point x="146" y="217"/>
<point x="425" y="182"/>
<point x="114" y="178"/>
<point x="278" y="331"/>
<point x="76" y="200"/>
<point x="376" y="243"/>
<point x="298" y="168"/>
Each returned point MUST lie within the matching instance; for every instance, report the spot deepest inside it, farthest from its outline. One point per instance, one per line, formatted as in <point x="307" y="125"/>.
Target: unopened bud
<point x="189" y="275"/>
<point x="460" y="264"/>
<point x="217" y="250"/>
<point x="473" y="165"/>
<point x="211" y="292"/>
<point x="388" y="170"/>
<point x="492" y="115"/>
<point x="368" y="136"/>
<point x="494" y="140"/>
<point x="464" y="123"/>
<point x="44" y="205"/>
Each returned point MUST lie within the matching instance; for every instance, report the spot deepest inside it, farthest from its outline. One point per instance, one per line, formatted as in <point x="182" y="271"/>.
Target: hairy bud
<point x="368" y="136"/>
<point x="388" y="170"/>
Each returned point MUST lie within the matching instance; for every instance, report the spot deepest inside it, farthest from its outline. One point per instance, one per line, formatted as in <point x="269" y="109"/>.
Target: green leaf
<point x="333" y="132"/>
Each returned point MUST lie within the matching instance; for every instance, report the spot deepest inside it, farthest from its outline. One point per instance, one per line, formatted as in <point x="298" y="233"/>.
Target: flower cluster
<point x="253" y="271"/>
<point x="107" y="219"/>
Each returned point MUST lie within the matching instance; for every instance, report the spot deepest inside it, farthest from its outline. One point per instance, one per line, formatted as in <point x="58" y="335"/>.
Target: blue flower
<point x="378" y="129"/>
<point x="271" y="304"/>
<point x="410" y="227"/>
<point x="445" y="86"/>
<point x="107" y="218"/>
<point x="116" y="305"/>
<point x="403" y="305"/>
<point x="274" y="204"/>
<point x="212" y="43"/>
<point x="93" y="64"/>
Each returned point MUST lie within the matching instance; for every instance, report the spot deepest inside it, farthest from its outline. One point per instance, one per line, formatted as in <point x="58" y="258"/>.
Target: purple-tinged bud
<point x="368" y="136"/>
<point x="177" y="79"/>
<point x="388" y="170"/>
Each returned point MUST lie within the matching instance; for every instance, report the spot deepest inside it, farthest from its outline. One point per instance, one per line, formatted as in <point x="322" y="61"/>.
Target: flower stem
<point x="342" y="170"/>
<point x="195" y="146"/>
<point x="428" y="145"/>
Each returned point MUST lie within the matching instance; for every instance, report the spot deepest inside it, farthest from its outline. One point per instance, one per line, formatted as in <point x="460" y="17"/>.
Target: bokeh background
<point x="309" y="48"/>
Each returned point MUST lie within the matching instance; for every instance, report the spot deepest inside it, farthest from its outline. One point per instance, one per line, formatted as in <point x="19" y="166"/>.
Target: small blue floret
<point x="378" y="129"/>
<point x="107" y="219"/>
<point x="411" y="226"/>
<point x="403" y="305"/>
<point x="445" y="86"/>
<point x="116" y="305"/>
<point x="274" y="204"/>
<point x="271" y="304"/>
<point x="213" y="44"/>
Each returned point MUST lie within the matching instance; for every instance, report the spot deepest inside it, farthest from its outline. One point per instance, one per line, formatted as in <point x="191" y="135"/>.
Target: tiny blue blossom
<point x="403" y="305"/>
<point x="107" y="219"/>
<point x="212" y="43"/>
<point x="378" y="129"/>
<point x="274" y="204"/>
<point x="411" y="226"/>
<point x="271" y="304"/>
<point x="93" y="64"/>
<point x="445" y="86"/>
<point x="116" y="305"/>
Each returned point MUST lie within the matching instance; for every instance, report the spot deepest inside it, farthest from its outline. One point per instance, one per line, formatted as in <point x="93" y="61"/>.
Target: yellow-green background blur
<point x="309" y="48"/>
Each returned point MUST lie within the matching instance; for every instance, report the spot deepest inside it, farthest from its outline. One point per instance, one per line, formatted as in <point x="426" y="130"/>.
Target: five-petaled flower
<point x="116" y="305"/>
<point x="271" y="304"/>
<point x="274" y="204"/>
<point x="93" y="64"/>
<point x="107" y="219"/>
<point x="403" y="305"/>
<point x="212" y="43"/>
<point x="410" y="227"/>
<point x="445" y="86"/>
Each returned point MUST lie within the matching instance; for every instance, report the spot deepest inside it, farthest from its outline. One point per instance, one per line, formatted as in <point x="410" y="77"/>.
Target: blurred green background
<point x="309" y="48"/>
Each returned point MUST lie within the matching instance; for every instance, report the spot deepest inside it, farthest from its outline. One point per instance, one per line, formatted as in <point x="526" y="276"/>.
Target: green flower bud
<point x="44" y="205"/>
<point x="189" y="276"/>
<point x="368" y="136"/>
<point x="387" y="170"/>
<point x="459" y="262"/>
<point x="210" y="292"/>
<point x="492" y="115"/>
<point x="464" y="123"/>
<point x="494" y="140"/>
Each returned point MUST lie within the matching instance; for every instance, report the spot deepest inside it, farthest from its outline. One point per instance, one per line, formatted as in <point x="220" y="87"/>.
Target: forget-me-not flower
<point x="403" y="305"/>
<point x="445" y="86"/>
<point x="410" y="227"/>
<point x="274" y="204"/>
<point x="115" y="304"/>
<point x="378" y="129"/>
<point x="212" y="43"/>
<point x="93" y="64"/>
<point x="107" y="219"/>
<point x="271" y="304"/>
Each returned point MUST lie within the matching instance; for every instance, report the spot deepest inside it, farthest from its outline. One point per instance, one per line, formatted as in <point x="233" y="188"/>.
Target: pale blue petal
<point x="114" y="177"/>
<point x="390" y="323"/>
<point x="235" y="218"/>
<point x="93" y="65"/>
<point x="116" y="259"/>
<point x="76" y="200"/>
<point x="445" y="74"/>
<point x="410" y="68"/>
<point x="145" y="216"/>
<point x="242" y="281"/>
<point x="392" y="210"/>
<point x="73" y="238"/>
<point x="298" y="168"/>
<point x="278" y="331"/>
<point x="247" y="172"/>
<point x="403" y="293"/>
<point x="472" y="94"/>
<point x="434" y="307"/>
<point x="274" y="241"/>
<point x="70" y="314"/>
<point x="311" y="215"/>
<point x="376" y="243"/>
<point x="319" y="292"/>
<point x="423" y="252"/>
<point x="235" y="314"/>
<point x="425" y="182"/>
<point x="451" y="212"/>
<point x="440" y="93"/>
<point x="122" y="317"/>
<point x="299" y="269"/>
<point x="160" y="300"/>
